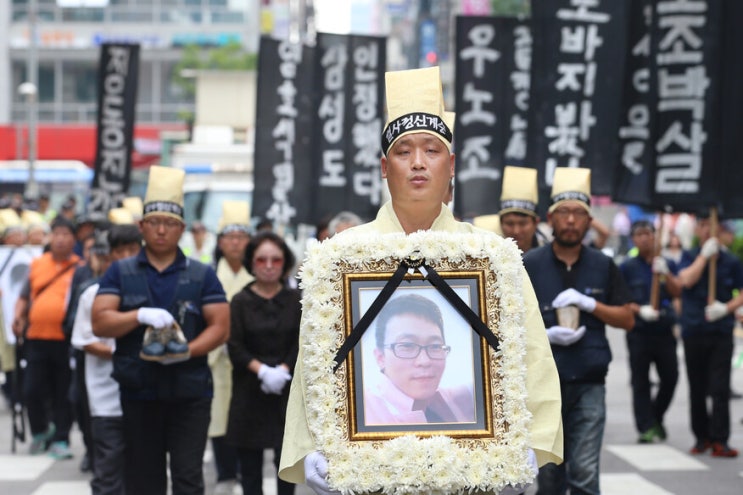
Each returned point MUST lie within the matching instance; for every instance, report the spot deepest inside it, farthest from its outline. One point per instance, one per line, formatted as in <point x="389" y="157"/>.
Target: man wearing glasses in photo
<point x="411" y="353"/>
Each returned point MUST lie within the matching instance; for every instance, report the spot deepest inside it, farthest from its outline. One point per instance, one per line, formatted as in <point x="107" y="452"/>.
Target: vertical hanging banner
<point x="686" y="48"/>
<point x="492" y="101"/>
<point x="283" y="133"/>
<point x="349" y="71"/>
<point x="730" y="178"/>
<point x="365" y="106"/>
<point x="634" y="174"/>
<point x="117" y="97"/>
<point x="577" y="76"/>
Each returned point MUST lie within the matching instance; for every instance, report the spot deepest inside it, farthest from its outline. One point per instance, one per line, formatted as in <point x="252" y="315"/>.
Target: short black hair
<point x="641" y="224"/>
<point x="269" y="236"/>
<point x="264" y="224"/>
<point x="123" y="234"/>
<point x="100" y="245"/>
<point x="60" y="221"/>
<point x="412" y="304"/>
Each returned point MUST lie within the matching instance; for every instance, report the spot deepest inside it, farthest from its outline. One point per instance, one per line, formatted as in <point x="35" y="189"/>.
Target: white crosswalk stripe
<point x="62" y="488"/>
<point x="23" y="467"/>
<point x="656" y="458"/>
<point x="625" y="483"/>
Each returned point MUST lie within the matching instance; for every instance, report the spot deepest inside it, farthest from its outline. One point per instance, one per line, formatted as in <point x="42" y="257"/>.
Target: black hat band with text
<point x="419" y="121"/>
<point x="163" y="207"/>
<point x="571" y="196"/>
<point x="518" y="204"/>
<point x="235" y="227"/>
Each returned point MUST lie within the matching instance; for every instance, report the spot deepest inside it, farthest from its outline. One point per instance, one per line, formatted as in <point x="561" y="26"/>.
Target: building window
<point x="79" y="80"/>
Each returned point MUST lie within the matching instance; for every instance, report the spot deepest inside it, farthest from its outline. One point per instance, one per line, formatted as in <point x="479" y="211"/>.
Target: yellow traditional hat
<point x="520" y="193"/>
<point x="164" y="192"/>
<point x="120" y="216"/>
<point x="134" y="205"/>
<point x="9" y="219"/>
<point x="488" y="222"/>
<point x="571" y="184"/>
<point x="415" y="103"/>
<point x="235" y="217"/>
<point x="31" y="217"/>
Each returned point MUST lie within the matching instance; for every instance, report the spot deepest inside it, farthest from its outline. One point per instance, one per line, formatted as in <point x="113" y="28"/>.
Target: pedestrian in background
<point x="566" y="273"/>
<point x="101" y="390"/>
<point x="232" y="241"/>
<point x="263" y="346"/>
<point x="707" y="333"/>
<point x="518" y="207"/>
<point x="166" y="398"/>
<point x="651" y="341"/>
<point x="38" y="323"/>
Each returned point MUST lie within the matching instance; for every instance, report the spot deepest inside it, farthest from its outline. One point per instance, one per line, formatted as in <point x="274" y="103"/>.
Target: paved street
<point x="626" y="467"/>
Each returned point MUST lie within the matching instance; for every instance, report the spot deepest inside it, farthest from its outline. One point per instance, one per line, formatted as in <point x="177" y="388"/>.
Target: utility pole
<point x="30" y="90"/>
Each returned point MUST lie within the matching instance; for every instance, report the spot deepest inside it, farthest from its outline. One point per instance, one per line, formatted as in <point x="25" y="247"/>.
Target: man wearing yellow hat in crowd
<point x="518" y="207"/>
<point x="418" y="165"/>
<point x="567" y="274"/>
<point x="165" y="404"/>
<point x="233" y="238"/>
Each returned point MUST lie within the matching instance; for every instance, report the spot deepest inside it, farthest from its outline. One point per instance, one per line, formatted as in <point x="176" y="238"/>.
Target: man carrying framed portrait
<point x="516" y="399"/>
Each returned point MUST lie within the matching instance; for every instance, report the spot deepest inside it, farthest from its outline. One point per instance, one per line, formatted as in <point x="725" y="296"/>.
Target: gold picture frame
<point x="468" y="368"/>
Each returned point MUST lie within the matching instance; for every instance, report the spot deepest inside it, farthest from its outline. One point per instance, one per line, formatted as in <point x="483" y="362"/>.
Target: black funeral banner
<point x="283" y="133"/>
<point x="117" y="96"/>
<point x="634" y="173"/>
<point x="348" y="113"/>
<point x="577" y="76"/>
<point x="730" y="178"/>
<point x="687" y="43"/>
<point x="492" y="102"/>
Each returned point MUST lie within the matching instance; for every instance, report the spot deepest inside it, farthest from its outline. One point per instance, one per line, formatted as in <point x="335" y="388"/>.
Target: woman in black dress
<point x="263" y="345"/>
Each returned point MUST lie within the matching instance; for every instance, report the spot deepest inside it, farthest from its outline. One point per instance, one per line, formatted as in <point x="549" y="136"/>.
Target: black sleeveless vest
<point x="586" y="361"/>
<point x="146" y="380"/>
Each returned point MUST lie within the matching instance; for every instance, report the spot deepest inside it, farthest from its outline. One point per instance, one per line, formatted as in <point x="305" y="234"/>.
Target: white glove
<point x="648" y="313"/>
<point x="715" y="311"/>
<point x="155" y="317"/>
<point x="316" y="472"/>
<point x="572" y="296"/>
<point x="273" y="378"/>
<point x="660" y="266"/>
<point x="519" y="489"/>
<point x="565" y="336"/>
<point x="710" y="247"/>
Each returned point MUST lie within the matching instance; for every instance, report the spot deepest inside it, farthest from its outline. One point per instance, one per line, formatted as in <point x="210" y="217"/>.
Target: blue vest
<point x="586" y="361"/>
<point x="145" y="380"/>
<point x="638" y="274"/>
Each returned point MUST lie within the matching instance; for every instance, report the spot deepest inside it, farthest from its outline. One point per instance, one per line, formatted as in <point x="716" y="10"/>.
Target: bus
<point x="57" y="178"/>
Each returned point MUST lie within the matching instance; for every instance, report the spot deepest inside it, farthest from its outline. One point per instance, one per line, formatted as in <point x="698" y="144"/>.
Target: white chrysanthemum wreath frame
<point x="411" y="464"/>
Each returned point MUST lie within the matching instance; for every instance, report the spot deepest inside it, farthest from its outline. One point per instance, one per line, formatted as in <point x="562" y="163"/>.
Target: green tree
<point x="511" y="7"/>
<point x="231" y="56"/>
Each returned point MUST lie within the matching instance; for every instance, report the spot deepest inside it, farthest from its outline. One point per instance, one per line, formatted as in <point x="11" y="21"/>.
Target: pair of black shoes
<point x="164" y="345"/>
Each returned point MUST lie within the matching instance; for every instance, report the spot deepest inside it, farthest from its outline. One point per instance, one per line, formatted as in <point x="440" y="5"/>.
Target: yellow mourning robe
<point x="219" y="361"/>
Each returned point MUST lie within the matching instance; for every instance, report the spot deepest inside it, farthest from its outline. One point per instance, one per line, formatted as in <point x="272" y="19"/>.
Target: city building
<point x="68" y="38"/>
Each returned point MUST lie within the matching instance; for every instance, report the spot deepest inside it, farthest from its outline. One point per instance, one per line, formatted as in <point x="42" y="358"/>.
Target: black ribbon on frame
<point x="393" y="283"/>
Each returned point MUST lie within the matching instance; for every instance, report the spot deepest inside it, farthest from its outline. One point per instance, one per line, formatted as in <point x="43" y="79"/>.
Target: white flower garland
<point x="410" y="464"/>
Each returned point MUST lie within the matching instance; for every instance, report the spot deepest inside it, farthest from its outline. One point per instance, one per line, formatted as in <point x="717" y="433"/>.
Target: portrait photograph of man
<point x="417" y="364"/>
